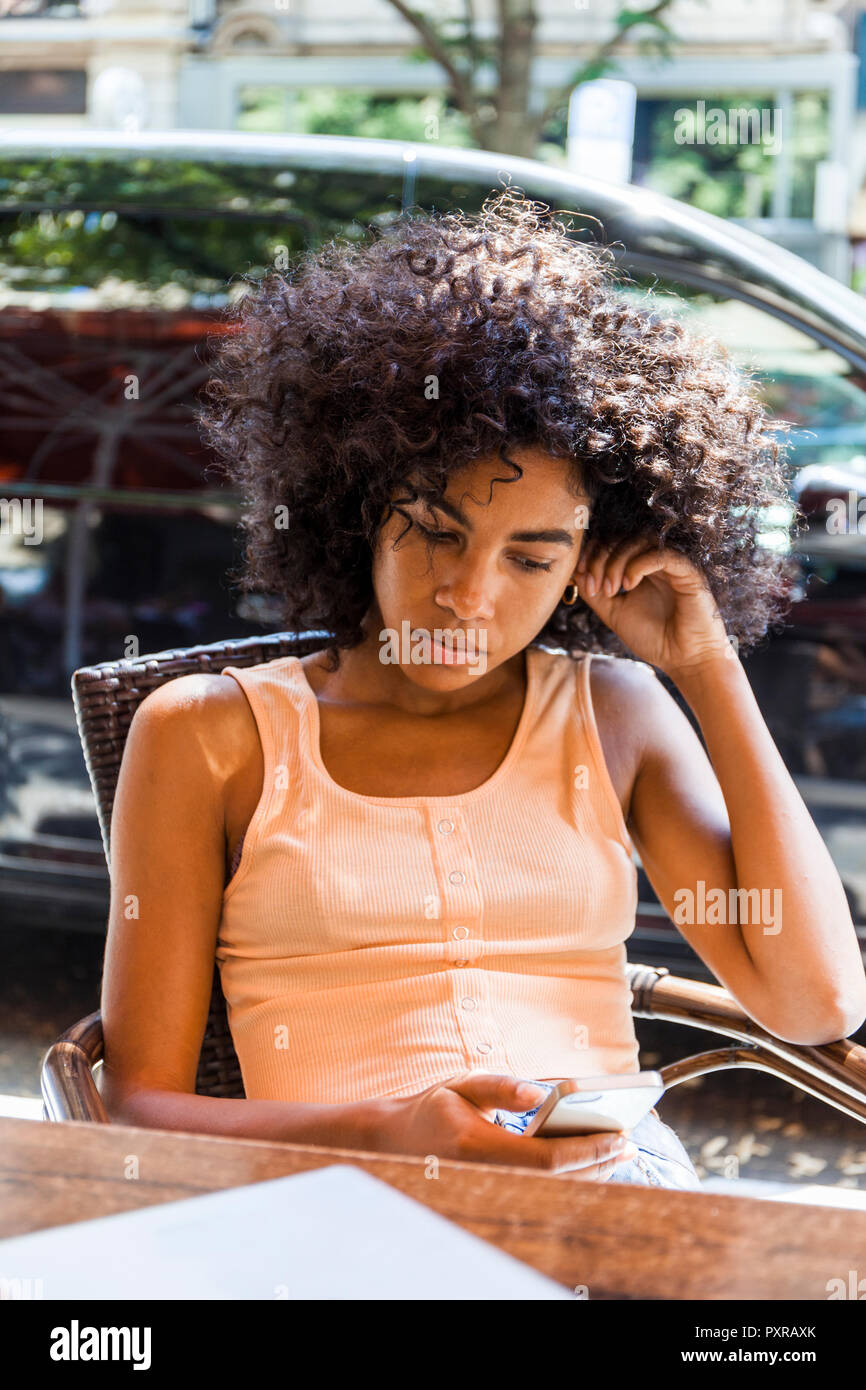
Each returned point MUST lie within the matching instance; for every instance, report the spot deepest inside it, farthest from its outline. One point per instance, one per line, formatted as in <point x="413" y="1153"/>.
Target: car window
<point x="34" y="537"/>
<point x="815" y="389"/>
<point x="160" y="232"/>
<point x="810" y="680"/>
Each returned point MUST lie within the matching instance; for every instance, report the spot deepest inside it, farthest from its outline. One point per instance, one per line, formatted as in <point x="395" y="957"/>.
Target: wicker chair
<point x="105" y="699"/>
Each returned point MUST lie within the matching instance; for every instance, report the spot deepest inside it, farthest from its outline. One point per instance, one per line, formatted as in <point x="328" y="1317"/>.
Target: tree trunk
<point x="513" y="130"/>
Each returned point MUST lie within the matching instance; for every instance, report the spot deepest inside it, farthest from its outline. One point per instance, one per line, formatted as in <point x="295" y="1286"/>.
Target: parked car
<point x="116" y="253"/>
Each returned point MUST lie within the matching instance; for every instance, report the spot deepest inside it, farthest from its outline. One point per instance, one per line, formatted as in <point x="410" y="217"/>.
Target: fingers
<point x="638" y="567"/>
<point x="588" y="1157"/>
<point x="601" y="1173"/>
<point x="591" y="1157"/>
<point x="603" y="567"/>
<point x="611" y="571"/>
<point x="489" y="1091"/>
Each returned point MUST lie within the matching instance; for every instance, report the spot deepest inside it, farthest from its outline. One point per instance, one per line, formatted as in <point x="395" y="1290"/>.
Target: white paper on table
<point x="333" y="1233"/>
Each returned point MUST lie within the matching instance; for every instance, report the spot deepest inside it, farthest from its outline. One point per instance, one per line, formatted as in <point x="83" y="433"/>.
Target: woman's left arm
<point x="729" y="844"/>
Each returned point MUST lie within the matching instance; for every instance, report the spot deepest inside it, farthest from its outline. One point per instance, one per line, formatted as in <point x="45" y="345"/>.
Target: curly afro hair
<point x="370" y="372"/>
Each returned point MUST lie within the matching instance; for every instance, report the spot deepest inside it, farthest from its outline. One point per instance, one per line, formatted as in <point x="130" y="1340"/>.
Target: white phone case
<point x="596" y="1104"/>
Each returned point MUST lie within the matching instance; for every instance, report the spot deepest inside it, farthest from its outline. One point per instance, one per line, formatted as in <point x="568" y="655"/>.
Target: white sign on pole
<point x="831" y="196"/>
<point x="601" y="129"/>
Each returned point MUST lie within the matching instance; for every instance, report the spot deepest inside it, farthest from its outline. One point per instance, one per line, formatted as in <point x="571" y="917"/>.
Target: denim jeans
<point x="661" y="1160"/>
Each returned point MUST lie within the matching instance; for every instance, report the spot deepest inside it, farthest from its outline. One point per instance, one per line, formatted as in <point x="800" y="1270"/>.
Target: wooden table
<point x="616" y="1240"/>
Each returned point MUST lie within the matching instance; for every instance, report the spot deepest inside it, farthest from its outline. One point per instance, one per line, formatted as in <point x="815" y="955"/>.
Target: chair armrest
<point x="835" y="1072"/>
<point x="69" y="1090"/>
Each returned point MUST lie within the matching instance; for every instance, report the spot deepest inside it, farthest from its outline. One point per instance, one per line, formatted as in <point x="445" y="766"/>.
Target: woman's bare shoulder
<point x="620" y="680"/>
<point x="203" y="711"/>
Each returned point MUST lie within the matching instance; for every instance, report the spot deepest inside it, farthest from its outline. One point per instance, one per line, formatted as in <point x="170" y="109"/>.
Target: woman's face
<point x="464" y="600"/>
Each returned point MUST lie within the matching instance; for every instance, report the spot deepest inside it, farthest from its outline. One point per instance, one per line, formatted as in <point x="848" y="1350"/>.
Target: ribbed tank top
<point x="374" y="946"/>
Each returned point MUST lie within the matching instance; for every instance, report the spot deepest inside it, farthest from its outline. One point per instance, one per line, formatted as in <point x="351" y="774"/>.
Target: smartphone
<point x="596" y="1104"/>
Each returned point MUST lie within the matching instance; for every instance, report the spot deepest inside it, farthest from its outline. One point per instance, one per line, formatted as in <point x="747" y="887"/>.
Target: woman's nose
<point x="468" y="595"/>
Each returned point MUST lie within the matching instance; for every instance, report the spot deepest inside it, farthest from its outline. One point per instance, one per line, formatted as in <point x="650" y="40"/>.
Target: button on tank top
<point x="375" y="946"/>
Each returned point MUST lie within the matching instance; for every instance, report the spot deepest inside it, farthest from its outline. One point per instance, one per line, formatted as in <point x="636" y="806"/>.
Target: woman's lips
<point x="459" y="652"/>
<point x="449" y="656"/>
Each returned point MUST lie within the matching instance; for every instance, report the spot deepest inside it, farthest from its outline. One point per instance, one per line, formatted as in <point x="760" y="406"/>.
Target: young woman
<point x="511" y="497"/>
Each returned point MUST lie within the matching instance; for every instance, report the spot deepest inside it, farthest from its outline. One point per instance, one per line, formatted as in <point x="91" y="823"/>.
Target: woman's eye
<point x="434" y="535"/>
<point x="520" y="560"/>
<point x="532" y="564"/>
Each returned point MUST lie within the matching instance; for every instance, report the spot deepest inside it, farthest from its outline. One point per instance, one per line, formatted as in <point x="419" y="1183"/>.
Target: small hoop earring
<point x="569" y="601"/>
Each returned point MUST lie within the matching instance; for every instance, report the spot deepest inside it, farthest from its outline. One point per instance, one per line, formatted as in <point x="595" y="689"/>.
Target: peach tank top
<point x="374" y="946"/>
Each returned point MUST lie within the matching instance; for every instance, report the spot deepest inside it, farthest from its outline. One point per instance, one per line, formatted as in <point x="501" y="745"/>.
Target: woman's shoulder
<point x="204" y="710"/>
<point x="609" y="675"/>
<point x="623" y="698"/>
<point x="623" y="692"/>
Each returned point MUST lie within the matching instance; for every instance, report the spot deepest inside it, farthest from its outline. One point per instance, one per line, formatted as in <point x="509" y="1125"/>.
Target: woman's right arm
<point x="168" y="850"/>
<point x="167" y="878"/>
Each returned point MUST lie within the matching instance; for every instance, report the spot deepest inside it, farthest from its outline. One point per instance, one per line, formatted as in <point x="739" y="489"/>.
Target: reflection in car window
<point x="800" y="380"/>
<point x="820" y="394"/>
<point x="32" y="599"/>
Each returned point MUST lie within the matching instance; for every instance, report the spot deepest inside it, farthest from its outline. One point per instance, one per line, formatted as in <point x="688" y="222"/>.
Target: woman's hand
<point x="656" y="601"/>
<point x="449" y="1121"/>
